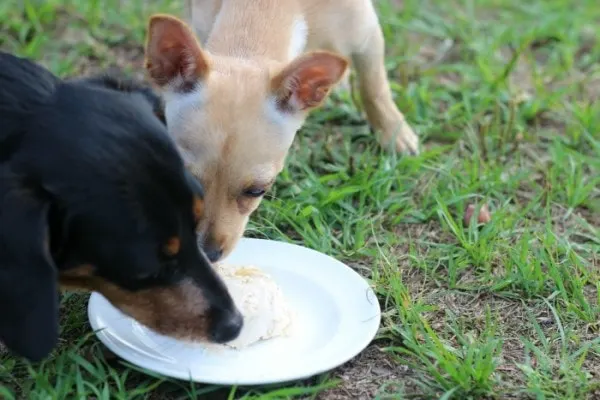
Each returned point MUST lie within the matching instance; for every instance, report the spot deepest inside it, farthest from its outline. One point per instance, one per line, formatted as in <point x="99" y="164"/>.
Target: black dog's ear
<point x="116" y="80"/>
<point x="29" y="299"/>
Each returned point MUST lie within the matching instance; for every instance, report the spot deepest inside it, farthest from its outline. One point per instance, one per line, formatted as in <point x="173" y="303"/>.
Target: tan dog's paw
<point x="403" y="138"/>
<point x="407" y="141"/>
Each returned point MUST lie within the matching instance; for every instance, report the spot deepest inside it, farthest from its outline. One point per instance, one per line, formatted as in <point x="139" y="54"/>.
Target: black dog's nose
<point x="213" y="254"/>
<point x="227" y="327"/>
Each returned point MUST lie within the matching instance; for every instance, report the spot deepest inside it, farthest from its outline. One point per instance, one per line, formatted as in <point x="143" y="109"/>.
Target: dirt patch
<point x="372" y="373"/>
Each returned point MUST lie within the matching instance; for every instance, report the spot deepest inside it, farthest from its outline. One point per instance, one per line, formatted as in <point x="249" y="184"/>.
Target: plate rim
<point x="104" y="336"/>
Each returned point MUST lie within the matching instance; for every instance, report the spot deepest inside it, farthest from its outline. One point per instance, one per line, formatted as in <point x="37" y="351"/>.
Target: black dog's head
<point x="94" y="196"/>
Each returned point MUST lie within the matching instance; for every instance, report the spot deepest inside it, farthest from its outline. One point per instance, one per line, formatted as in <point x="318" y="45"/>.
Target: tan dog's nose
<point x="214" y="254"/>
<point x="212" y="249"/>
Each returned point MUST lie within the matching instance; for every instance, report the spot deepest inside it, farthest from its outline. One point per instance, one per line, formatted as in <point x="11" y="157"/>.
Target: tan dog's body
<point x="235" y="99"/>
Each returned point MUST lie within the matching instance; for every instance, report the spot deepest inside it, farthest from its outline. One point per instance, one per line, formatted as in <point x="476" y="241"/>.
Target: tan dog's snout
<point x="212" y="247"/>
<point x="213" y="252"/>
<point x="218" y="237"/>
<point x="222" y="226"/>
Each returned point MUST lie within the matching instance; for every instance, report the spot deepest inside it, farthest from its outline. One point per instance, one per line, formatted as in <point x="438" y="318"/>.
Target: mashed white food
<point x="266" y="312"/>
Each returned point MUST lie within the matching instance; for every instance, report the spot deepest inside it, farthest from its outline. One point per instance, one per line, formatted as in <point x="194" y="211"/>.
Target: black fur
<point x="88" y="176"/>
<point x="117" y="81"/>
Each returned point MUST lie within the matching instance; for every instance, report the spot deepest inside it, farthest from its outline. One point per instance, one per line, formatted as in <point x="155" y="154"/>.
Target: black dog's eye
<point x="168" y="261"/>
<point x="145" y="276"/>
<point x="254" y="192"/>
<point x="168" y="255"/>
<point x="168" y="266"/>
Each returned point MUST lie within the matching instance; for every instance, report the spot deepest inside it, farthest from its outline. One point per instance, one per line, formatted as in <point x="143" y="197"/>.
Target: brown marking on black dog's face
<point x="179" y="311"/>
<point x="198" y="208"/>
<point x="172" y="246"/>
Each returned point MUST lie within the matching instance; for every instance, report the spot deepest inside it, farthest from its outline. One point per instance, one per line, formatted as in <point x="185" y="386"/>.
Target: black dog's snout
<point x="227" y="326"/>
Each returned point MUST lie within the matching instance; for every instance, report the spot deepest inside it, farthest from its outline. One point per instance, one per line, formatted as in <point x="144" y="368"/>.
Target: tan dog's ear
<point x="307" y="80"/>
<point x="173" y="55"/>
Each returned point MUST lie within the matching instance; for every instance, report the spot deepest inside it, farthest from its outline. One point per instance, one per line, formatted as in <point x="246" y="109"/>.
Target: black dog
<point x="94" y="196"/>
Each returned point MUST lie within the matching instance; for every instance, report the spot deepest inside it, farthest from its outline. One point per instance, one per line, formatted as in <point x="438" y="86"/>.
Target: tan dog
<point x="235" y="100"/>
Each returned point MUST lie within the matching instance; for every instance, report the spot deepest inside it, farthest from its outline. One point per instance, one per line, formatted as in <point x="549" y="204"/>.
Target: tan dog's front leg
<point x="383" y="115"/>
<point x="201" y="14"/>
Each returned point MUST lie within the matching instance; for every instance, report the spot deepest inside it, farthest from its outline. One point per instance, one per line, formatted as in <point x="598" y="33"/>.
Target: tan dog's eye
<point x="253" y="192"/>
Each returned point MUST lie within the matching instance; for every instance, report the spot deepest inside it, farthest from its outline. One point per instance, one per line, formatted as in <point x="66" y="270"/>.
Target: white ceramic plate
<point x="337" y="316"/>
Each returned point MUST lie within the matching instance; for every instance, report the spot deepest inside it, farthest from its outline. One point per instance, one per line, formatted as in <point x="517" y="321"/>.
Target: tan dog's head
<point x="233" y="119"/>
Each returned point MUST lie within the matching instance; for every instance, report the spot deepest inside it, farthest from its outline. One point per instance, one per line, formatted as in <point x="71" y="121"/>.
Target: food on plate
<point x="261" y="301"/>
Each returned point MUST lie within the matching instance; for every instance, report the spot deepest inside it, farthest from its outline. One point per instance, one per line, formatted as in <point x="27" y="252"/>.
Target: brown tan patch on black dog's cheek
<point x="84" y="270"/>
<point x="198" y="208"/>
<point x="179" y="311"/>
<point x="172" y="246"/>
<point x="78" y="278"/>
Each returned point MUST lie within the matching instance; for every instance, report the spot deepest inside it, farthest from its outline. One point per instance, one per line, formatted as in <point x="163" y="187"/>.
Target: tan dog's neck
<point x="258" y="29"/>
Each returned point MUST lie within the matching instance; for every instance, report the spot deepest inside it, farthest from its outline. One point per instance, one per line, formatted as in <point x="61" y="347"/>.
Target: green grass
<point x="505" y="97"/>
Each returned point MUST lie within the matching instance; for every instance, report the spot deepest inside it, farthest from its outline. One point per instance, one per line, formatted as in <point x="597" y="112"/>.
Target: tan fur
<point x="237" y="93"/>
